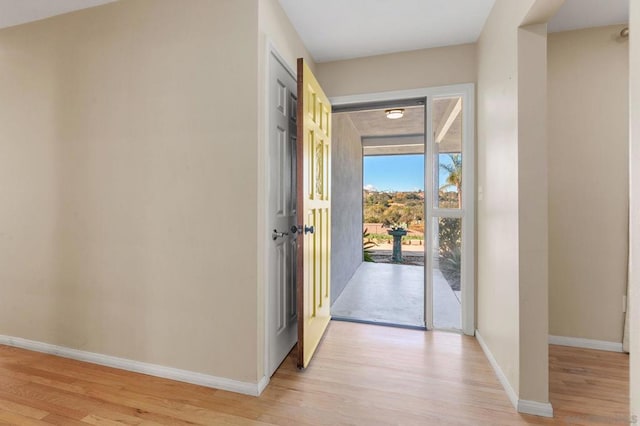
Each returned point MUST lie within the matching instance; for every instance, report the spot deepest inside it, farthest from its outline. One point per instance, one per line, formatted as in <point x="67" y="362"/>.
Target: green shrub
<point x="449" y="234"/>
<point x="387" y="237"/>
<point x="450" y="255"/>
<point x="367" y="245"/>
<point x="450" y="266"/>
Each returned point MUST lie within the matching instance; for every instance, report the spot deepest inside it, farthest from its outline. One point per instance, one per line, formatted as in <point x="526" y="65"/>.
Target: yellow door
<point x="314" y="213"/>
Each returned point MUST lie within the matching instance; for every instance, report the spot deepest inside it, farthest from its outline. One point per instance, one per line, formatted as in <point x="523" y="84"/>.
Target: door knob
<point x="275" y="234"/>
<point x="299" y="229"/>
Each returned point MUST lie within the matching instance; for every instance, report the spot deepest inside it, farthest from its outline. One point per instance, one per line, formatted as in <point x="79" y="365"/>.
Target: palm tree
<point x="455" y="175"/>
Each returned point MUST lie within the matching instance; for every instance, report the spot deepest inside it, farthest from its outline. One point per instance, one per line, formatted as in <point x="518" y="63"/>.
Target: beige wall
<point x="634" y="118"/>
<point x="498" y="315"/>
<point x="532" y="212"/>
<point x="125" y="133"/>
<point x="588" y="182"/>
<point x="398" y="71"/>
<point x="512" y="253"/>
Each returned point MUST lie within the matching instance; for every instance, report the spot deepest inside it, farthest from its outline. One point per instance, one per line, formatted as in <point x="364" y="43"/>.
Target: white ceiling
<point x="381" y="136"/>
<point x="357" y="28"/>
<point x="15" y="12"/>
<point x="341" y="29"/>
<point x="576" y="14"/>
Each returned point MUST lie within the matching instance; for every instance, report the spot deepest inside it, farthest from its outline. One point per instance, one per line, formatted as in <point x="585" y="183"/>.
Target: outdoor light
<point x="394" y="114"/>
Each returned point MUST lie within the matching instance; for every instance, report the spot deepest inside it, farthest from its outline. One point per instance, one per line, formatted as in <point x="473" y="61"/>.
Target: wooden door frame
<point x="467" y="213"/>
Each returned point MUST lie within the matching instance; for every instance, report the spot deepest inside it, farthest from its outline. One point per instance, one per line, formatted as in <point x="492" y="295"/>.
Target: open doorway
<point x="388" y="285"/>
<point x="411" y="267"/>
<point x="409" y="263"/>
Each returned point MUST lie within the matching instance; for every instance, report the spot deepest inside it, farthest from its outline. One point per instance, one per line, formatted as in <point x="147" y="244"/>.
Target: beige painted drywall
<point x="532" y="212"/>
<point x="497" y="223"/>
<point x="588" y="182"/>
<point x="634" y="119"/>
<point x="128" y="144"/>
<point x="512" y="254"/>
<point x="274" y="32"/>
<point x="397" y="71"/>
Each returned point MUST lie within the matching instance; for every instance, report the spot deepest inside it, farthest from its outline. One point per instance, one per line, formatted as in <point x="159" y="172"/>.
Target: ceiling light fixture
<point x="394" y="114"/>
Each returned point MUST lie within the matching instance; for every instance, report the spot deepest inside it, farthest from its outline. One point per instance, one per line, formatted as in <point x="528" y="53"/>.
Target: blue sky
<point x="397" y="172"/>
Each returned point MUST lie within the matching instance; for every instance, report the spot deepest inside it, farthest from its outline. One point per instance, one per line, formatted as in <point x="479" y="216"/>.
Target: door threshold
<point x="381" y="323"/>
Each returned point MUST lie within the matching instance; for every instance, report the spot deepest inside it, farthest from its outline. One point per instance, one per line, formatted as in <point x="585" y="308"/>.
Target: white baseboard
<point x="511" y="393"/>
<point x="262" y="385"/>
<point x="536" y="408"/>
<point x="578" y="342"/>
<point x="544" y="409"/>
<point x="253" y="389"/>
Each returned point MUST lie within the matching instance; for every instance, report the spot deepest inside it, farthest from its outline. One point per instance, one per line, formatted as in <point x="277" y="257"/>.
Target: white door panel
<point x="282" y="315"/>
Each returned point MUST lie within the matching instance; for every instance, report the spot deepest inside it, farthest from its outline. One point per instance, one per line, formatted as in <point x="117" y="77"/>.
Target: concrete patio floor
<point x="394" y="294"/>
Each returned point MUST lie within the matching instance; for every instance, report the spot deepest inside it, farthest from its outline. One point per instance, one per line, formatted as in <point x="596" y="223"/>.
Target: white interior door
<point x="282" y="315"/>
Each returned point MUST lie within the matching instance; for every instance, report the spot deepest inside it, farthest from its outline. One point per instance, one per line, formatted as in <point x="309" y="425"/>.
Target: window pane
<point x="447" y="152"/>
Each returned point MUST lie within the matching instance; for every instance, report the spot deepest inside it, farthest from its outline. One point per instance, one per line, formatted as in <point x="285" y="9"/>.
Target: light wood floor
<point x="362" y="375"/>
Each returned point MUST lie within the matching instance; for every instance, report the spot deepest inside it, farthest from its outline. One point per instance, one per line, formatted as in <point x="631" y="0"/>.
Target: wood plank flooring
<point x="362" y="375"/>
<point x="589" y="387"/>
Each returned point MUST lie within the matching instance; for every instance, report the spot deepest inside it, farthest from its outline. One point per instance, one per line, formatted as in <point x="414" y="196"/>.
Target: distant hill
<point x="390" y="207"/>
<point x="394" y="207"/>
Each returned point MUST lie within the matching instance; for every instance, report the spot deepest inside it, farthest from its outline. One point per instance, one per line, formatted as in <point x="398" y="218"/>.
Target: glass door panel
<point x="447" y="215"/>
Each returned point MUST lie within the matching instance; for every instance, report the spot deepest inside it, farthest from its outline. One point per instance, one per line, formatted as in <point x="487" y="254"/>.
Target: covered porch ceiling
<point x="383" y="136"/>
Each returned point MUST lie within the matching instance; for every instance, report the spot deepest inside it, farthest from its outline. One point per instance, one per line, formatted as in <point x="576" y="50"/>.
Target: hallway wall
<point x="588" y="97"/>
<point x="410" y="70"/>
<point x="634" y="120"/>
<point x="122" y="185"/>
<point x="512" y="208"/>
